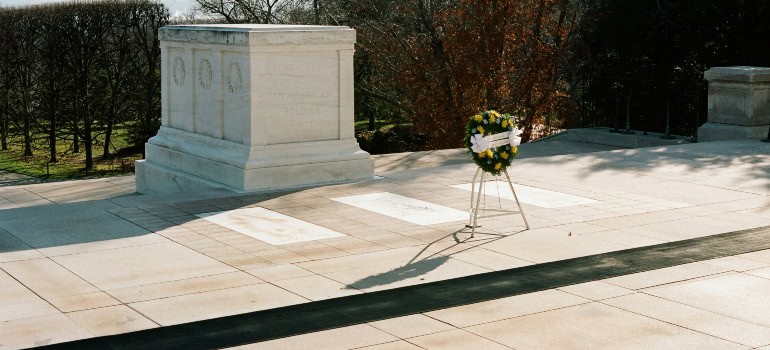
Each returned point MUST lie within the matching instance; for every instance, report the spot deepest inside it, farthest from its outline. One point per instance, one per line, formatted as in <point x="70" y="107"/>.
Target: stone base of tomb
<point x="179" y="161"/>
<point x="723" y="132"/>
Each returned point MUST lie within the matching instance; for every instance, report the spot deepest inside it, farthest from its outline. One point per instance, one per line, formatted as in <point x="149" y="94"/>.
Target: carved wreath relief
<point x="205" y="75"/>
<point x="234" y="78"/>
<point x="178" y="71"/>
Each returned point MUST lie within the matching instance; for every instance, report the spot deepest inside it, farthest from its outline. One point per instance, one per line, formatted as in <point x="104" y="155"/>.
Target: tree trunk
<point x="88" y="138"/>
<point x="26" y="101"/>
<point x="107" y="138"/>
<point x="4" y="115"/>
<point x="75" y="136"/>
<point x="53" y="106"/>
<point x="4" y="127"/>
<point x="88" y="143"/>
<point x="372" y="122"/>
<point x="147" y="124"/>
<point x="52" y="138"/>
<point x="27" y="135"/>
<point x="4" y="133"/>
<point x="317" y="11"/>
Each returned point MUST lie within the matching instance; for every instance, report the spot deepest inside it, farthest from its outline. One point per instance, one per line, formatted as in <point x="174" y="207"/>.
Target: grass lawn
<point x="72" y="165"/>
<point x="69" y="165"/>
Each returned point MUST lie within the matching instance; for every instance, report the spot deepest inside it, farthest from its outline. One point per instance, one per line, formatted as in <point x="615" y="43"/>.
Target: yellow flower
<point x="514" y="149"/>
<point x="491" y="118"/>
<point x="482" y="154"/>
<point x="478" y="118"/>
<point x="489" y="153"/>
<point x="498" y="166"/>
<point x="504" y="124"/>
<point x="504" y="155"/>
<point x="494" y="113"/>
<point x="480" y="129"/>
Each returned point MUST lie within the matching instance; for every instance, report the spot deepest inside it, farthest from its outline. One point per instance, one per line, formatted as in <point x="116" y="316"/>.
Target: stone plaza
<point x="90" y="258"/>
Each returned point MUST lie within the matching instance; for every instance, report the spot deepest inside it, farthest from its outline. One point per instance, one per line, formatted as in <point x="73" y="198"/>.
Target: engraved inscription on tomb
<point x="303" y="82"/>
<point x="302" y="95"/>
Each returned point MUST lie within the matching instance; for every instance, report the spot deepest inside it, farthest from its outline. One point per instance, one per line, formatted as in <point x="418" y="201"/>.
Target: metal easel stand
<point x="476" y="198"/>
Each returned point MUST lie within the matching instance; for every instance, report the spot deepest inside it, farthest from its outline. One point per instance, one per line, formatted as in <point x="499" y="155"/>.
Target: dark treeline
<point x="647" y="53"/>
<point x="71" y="73"/>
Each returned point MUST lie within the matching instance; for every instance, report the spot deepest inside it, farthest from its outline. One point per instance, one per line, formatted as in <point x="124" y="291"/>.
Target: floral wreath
<point x="492" y="155"/>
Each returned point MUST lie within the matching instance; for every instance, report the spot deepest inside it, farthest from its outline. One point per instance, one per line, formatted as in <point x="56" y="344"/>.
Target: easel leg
<point x="521" y="211"/>
<point x="473" y="196"/>
<point x="478" y="200"/>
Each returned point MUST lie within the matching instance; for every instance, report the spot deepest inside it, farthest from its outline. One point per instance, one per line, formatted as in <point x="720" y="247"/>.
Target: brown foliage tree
<point x="451" y="60"/>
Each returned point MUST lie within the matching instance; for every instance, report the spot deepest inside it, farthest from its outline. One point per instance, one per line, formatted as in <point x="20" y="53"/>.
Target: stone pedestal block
<point x="738" y="103"/>
<point x="254" y="107"/>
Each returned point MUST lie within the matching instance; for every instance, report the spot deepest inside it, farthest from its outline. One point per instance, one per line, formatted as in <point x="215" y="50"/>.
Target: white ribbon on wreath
<point x="479" y="143"/>
<point x="515" y="137"/>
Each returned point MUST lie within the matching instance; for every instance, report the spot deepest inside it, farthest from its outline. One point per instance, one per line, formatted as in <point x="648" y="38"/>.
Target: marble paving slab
<point x="269" y="226"/>
<point x="530" y="195"/>
<point x="404" y="208"/>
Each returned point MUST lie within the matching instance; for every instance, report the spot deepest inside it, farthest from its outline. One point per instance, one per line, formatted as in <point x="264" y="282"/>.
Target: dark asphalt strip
<point x="368" y="307"/>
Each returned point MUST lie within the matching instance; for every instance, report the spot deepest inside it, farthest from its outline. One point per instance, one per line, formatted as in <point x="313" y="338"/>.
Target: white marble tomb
<point x="254" y="107"/>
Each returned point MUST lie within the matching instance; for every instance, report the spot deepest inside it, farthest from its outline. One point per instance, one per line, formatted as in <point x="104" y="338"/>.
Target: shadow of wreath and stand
<point x="426" y="260"/>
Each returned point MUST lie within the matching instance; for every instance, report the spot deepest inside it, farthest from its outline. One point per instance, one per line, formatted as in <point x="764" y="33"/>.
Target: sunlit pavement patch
<point x="530" y="195"/>
<point x="404" y="208"/>
<point x="269" y="226"/>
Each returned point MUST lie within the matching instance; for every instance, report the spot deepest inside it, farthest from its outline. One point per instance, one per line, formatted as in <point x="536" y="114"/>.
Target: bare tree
<point x="76" y="72"/>
<point x="252" y="11"/>
<point x="51" y="80"/>
<point x="6" y="77"/>
<point x="24" y="67"/>
<point x="145" y="22"/>
<point x="85" y="35"/>
<point x="117" y="62"/>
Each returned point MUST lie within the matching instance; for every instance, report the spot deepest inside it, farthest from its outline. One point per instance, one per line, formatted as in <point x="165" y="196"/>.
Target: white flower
<point x="515" y="137"/>
<point x="479" y="143"/>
